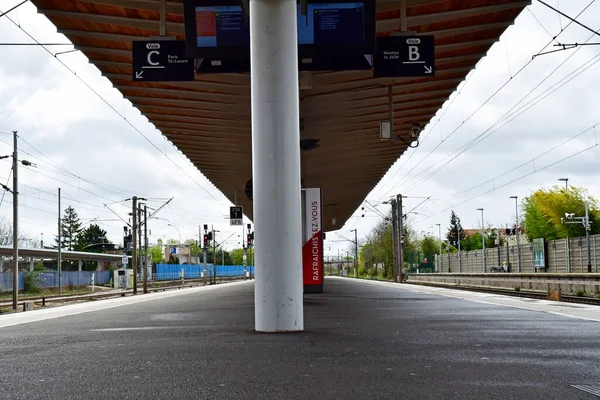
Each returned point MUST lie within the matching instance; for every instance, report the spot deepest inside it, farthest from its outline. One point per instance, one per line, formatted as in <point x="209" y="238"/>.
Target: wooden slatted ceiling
<point x="209" y="119"/>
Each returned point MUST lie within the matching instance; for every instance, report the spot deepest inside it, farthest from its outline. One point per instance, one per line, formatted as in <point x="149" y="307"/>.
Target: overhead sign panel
<point x="236" y="215"/>
<point x="161" y="61"/>
<point x="404" y="56"/>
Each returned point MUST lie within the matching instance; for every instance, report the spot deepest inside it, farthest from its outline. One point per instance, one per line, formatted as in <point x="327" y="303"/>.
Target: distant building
<point x="183" y="252"/>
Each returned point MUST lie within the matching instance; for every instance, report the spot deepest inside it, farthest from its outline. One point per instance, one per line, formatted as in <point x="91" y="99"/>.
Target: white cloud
<point x="58" y="115"/>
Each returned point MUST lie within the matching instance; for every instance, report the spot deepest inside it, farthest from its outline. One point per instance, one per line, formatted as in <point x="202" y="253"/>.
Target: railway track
<point x="165" y="285"/>
<point x="515" y="293"/>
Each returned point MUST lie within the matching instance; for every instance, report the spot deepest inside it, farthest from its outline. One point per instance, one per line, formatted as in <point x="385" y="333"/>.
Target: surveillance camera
<point x="415" y="130"/>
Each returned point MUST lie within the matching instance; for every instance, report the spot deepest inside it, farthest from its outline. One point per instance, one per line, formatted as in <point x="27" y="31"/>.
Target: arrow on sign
<point x="428" y="70"/>
<point x="138" y="74"/>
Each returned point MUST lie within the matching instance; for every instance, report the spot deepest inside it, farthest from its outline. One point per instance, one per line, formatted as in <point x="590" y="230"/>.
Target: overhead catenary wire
<point x="505" y="119"/>
<point x="536" y="169"/>
<point x="484" y="103"/>
<point x="579" y="134"/>
<point x="95" y="92"/>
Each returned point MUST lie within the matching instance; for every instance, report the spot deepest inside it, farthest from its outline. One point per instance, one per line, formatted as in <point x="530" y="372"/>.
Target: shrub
<point x="580" y="293"/>
<point x="517" y="288"/>
<point x="32" y="282"/>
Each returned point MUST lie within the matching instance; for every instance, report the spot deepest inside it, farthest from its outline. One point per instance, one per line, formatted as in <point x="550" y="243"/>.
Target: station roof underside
<point x="209" y="119"/>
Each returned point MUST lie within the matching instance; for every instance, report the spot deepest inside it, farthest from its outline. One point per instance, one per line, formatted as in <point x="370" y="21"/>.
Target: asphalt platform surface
<point x="361" y="341"/>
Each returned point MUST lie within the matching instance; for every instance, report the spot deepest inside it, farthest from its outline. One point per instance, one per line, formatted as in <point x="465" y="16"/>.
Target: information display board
<point x="221" y="26"/>
<point x="336" y="27"/>
<point x="216" y="29"/>
<point x="220" y="30"/>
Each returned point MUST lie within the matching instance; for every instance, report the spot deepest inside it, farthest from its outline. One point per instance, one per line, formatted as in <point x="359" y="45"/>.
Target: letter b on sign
<point x="413" y="53"/>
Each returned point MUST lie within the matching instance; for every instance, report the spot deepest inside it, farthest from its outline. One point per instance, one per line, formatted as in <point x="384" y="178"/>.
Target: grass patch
<point x="53" y="292"/>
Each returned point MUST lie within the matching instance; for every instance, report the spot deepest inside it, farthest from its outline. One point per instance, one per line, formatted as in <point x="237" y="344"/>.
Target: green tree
<point x="544" y="209"/>
<point x="92" y="239"/>
<point x="70" y="226"/>
<point x="236" y="256"/>
<point x="455" y="230"/>
<point x="430" y="245"/>
<point x="156" y="252"/>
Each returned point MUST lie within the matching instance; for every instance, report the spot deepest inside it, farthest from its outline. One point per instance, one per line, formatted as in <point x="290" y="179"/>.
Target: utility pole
<point x="517" y="233"/>
<point x="459" y="258"/>
<point x="400" y="237"/>
<point x="439" y="266"/>
<point x="134" y="232"/>
<point x="140" y="237"/>
<point x="482" y="237"/>
<point x="394" y="239"/>
<point x="371" y="265"/>
<point x="507" y="251"/>
<point x="498" y="245"/>
<point x="214" y="255"/>
<point x="355" y="253"/>
<point x="204" y="253"/>
<point x="146" y="248"/>
<point x="587" y="236"/>
<point x="15" y="191"/>
<point x="59" y="247"/>
<point x="585" y="220"/>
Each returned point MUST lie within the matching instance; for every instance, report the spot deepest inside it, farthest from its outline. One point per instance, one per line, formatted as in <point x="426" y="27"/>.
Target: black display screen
<point x="221" y="26"/>
<point x="332" y="24"/>
<point x="329" y="28"/>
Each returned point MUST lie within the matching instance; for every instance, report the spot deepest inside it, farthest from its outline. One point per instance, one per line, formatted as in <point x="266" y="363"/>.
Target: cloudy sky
<point x="96" y="152"/>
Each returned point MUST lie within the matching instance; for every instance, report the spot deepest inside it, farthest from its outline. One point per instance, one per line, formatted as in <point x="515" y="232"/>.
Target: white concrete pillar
<point x="31" y="264"/>
<point x="276" y="165"/>
<point x="79" y="265"/>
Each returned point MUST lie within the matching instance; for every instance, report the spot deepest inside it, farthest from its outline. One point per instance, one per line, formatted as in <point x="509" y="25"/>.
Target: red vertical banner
<point x="312" y="248"/>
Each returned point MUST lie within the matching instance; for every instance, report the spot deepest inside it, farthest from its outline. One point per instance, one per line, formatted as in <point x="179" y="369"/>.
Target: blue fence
<point x="173" y="271"/>
<point x="50" y="279"/>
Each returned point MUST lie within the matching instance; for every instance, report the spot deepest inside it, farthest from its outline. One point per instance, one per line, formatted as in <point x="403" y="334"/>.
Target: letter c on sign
<point x="150" y="57"/>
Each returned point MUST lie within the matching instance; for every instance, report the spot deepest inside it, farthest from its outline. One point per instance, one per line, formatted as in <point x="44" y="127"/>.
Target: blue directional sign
<point x="173" y="250"/>
<point x="161" y="61"/>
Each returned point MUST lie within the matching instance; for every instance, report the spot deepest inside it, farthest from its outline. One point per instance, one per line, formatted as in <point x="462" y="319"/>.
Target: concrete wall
<point x="472" y="261"/>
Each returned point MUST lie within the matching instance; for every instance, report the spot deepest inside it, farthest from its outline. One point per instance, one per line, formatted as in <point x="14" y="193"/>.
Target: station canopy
<point x="209" y="119"/>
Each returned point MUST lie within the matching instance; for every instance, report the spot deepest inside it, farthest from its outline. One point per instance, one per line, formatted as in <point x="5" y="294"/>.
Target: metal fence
<point x="560" y="258"/>
<point x="50" y="279"/>
<point x="190" y="271"/>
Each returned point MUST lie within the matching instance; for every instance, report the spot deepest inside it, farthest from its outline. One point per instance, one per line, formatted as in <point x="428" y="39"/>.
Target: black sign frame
<point x="404" y="56"/>
<point x="161" y="61"/>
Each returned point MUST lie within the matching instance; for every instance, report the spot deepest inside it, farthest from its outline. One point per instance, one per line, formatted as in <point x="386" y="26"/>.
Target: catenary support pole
<point x="400" y="237"/>
<point x="459" y="255"/>
<point x="587" y="237"/>
<point x="214" y="275"/>
<point x="355" y="253"/>
<point x="276" y="165"/>
<point x="517" y="234"/>
<point x="140" y="237"/>
<point x="134" y="232"/>
<point x="59" y="260"/>
<point x="146" y="248"/>
<point x="395" y="239"/>
<point x="15" y="190"/>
